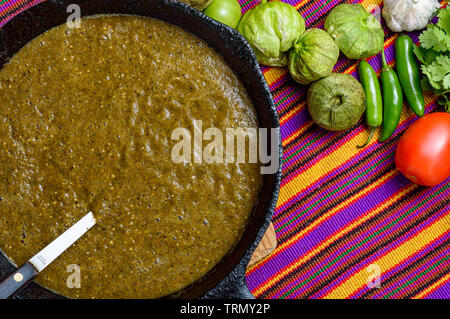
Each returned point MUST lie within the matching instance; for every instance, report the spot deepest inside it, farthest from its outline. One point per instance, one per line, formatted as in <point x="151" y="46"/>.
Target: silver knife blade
<point x="45" y="257"/>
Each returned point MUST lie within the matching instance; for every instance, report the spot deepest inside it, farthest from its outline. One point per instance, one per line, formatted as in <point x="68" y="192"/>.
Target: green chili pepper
<point x="392" y="100"/>
<point x="374" y="103"/>
<point x="408" y="73"/>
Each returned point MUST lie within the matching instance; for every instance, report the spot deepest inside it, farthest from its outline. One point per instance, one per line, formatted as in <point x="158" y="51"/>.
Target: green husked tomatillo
<point x="271" y="29"/>
<point x="313" y="56"/>
<point x="225" y="11"/>
<point x="336" y="102"/>
<point x="358" y="33"/>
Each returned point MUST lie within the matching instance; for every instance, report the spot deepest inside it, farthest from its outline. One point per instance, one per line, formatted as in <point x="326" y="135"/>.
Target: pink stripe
<point x="421" y="279"/>
<point x="419" y="254"/>
<point x="383" y="252"/>
<point x="374" y="241"/>
<point x="326" y="201"/>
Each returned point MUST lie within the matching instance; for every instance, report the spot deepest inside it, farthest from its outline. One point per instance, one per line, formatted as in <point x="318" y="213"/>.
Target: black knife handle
<point x="17" y="280"/>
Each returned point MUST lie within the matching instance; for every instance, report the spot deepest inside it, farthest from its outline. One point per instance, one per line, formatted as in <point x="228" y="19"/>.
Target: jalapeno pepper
<point x="408" y="73"/>
<point x="374" y="103"/>
<point x="392" y="100"/>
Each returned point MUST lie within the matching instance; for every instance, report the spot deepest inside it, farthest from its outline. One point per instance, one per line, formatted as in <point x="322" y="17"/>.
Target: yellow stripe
<point x="392" y="259"/>
<point x="322" y="167"/>
<point x="300" y="4"/>
<point x="335" y="159"/>
<point x="358" y="222"/>
<point x="292" y="112"/>
<point x="273" y="74"/>
<point x="370" y="4"/>
<point x="366" y="3"/>
<point x="297" y="133"/>
<point x="430" y="289"/>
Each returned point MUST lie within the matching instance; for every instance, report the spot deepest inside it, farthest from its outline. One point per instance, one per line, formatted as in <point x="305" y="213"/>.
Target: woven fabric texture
<point x="344" y="214"/>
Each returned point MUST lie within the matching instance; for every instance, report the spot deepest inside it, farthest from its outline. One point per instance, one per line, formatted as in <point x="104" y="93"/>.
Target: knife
<point x="30" y="270"/>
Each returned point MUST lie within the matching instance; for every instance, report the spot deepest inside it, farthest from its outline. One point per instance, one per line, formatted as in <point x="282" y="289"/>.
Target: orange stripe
<point x="365" y="3"/>
<point x="338" y="157"/>
<point x="393" y="258"/>
<point x="298" y="5"/>
<point x="273" y="74"/>
<point x="297" y="133"/>
<point x="433" y="287"/>
<point x="290" y="268"/>
<point x="292" y="112"/>
<point x="347" y="229"/>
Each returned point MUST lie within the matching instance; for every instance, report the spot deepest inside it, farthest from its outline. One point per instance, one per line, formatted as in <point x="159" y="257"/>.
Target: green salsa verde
<point x="86" y="119"/>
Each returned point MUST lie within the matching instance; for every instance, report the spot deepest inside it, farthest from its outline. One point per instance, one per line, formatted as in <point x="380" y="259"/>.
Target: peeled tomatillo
<point x="226" y="11"/>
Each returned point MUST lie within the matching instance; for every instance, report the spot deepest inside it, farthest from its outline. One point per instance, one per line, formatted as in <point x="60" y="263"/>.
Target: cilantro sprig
<point x="434" y="54"/>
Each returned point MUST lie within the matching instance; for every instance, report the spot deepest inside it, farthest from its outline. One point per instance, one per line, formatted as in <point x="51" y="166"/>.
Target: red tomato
<point x="423" y="153"/>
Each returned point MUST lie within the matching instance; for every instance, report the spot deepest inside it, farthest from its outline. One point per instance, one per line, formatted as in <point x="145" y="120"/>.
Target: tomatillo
<point x="226" y="11"/>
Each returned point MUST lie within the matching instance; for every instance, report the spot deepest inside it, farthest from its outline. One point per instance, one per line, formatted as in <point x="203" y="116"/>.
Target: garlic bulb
<point x="409" y="15"/>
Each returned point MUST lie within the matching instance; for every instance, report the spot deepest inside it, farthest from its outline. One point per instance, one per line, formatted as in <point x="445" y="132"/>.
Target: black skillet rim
<point x="228" y="276"/>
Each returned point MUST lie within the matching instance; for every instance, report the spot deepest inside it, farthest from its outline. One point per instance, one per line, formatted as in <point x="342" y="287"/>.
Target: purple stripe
<point x="300" y="150"/>
<point x="294" y="123"/>
<point x="346" y="178"/>
<point x="415" y="273"/>
<point x="419" y="254"/>
<point x="354" y="159"/>
<point x="278" y="83"/>
<point x="9" y="4"/>
<point x="333" y="173"/>
<point x="9" y="16"/>
<point x="323" y="10"/>
<point x="333" y="224"/>
<point x="443" y="292"/>
<point x="320" y="155"/>
<point x="366" y="262"/>
<point x="300" y="143"/>
<point x="381" y="253"/>
<point x="325" y="192"/>
<point x="374" y="241"/>
<point x="295" y="94"/>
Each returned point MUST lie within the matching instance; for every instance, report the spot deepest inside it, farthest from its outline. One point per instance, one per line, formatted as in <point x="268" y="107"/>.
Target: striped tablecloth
<point x="344" y="214"/>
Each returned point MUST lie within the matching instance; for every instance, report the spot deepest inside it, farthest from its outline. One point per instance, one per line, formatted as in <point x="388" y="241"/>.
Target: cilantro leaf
<point x="436" y="39"/>
<point x="446" y="82"/>
<point x="440" y="67"/>
<point x="444" y="20"/>
<point x="438" y="73"/>
<point x="425" y="84"/>
<point x="445" y="102"/>
<point x="430" y="56"/>
<point x="425" y="56"/>
<point x="434" y="55"/>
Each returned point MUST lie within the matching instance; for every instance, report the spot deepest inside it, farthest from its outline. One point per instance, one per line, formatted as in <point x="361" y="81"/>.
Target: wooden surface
<point x="265" y="247"/>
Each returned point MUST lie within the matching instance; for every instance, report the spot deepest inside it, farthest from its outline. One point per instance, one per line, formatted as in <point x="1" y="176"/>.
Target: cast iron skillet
<point x="226" y="279"/>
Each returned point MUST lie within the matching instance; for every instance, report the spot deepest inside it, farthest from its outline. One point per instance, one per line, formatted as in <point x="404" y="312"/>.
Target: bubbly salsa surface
<point x="86" y="119"/>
